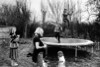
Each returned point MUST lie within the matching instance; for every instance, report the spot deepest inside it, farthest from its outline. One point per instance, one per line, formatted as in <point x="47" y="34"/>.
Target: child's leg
<point x="13" y="57"/>
<point x="55" y="34"/>
<point x="59" y="37"/>
<point x="34" y="56"/>
<point x="15" y="54"/>
<point x="44" y="52"/>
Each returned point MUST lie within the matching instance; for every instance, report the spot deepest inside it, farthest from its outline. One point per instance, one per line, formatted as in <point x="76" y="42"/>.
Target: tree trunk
<point x="25" y="33"/>
<point x="43" y="16"/>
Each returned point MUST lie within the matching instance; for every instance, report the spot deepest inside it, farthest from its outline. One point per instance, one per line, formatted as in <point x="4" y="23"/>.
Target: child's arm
<point x="16" y="38"/>
<point x="37" y="45"/>
<point x="44" y="46"/>
<point x="60" y="61"/>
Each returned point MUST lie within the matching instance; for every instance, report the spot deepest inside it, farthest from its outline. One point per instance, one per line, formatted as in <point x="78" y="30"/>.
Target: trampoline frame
<point x="76" y="45"/>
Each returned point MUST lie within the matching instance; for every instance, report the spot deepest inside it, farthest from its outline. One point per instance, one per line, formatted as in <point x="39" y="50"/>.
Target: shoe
<point x="47" y="61"/>
<point x="12" y="63"/>
<point x="15" y="64"/>
<point x="29" y="54"/>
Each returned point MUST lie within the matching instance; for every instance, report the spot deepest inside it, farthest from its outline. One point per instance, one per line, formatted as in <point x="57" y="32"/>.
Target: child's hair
<point x="37" y="35"/>
<point x="12" y="31"/>
<point x="60" y="53"/>
<point x="18" y="36"/>
<point x="41" y="53"/>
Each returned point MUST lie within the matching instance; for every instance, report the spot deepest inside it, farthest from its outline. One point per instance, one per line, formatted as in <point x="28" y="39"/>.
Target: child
<point x="61" y="62"/>
<point x="14" y="48"/>
<point x="57" y="31"/>
<point x="38" y="44"/>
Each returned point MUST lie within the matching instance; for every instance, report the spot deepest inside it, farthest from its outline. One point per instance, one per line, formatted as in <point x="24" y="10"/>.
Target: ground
<point x="85" y="59"/>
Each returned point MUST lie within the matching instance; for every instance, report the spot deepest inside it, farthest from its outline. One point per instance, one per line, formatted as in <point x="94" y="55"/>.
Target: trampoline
<point x="67" y="42"/>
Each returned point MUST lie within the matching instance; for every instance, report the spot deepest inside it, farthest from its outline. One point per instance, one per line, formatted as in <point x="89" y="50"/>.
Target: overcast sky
<point x="35" y="7"/>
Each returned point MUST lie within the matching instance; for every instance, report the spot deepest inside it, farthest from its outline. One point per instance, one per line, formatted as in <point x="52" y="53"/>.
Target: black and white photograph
<point x="49" y="33"/>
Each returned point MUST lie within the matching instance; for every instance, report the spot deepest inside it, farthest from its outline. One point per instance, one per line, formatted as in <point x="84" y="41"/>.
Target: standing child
<point x="61" y="59"/>
<point x="14" y="48"/>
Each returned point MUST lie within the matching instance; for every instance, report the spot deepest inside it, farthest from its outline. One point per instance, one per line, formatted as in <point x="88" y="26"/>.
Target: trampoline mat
<point x="66" y="41"/>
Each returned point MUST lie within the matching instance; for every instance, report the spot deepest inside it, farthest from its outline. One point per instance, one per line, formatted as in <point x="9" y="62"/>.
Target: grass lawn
<point x="85" y="59"/>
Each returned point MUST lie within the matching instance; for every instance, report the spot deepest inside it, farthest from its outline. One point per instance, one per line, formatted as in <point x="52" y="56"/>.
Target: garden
<point x="72" y="27"/>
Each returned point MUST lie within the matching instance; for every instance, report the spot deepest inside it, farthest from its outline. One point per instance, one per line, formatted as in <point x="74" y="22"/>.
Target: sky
<point x="35" y="8"/>
<point x="7" y="2"/>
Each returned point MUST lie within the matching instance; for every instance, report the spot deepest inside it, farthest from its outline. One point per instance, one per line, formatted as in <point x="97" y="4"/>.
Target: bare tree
<point x="6" y="12"/>
<point x="72" y="15"/>
<point x="70" y="12"/>
<point x="57" y="10"/>
<point x="43" y="11"/>
<point x="16" y="15"/>
<point x="22" y="6"/>
<point x="92" y="8"/>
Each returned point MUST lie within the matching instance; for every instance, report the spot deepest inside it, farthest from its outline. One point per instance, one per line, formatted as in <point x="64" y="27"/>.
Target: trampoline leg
<point x="85" y="48"/>
<point x="98" y="45"/>
<point x="47" y="51"/>
<point x="92" y="50"/>
<point x="76" y="53"/>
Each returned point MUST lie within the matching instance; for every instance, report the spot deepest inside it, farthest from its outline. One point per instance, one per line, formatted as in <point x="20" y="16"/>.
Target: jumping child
<point x="57" y="31"/>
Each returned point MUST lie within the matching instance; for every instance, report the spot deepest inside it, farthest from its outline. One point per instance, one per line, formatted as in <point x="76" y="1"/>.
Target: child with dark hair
<point x="57" y="31"/>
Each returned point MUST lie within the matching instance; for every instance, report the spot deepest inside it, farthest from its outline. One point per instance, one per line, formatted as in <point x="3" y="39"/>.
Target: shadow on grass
<point x="69" y="53"/>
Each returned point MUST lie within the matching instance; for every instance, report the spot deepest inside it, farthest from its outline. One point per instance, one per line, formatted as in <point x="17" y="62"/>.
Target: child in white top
<point x="61" y="62"/>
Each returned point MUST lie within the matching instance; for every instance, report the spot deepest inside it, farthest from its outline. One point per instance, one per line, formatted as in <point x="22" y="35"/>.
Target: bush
<point x="48" y="30"/>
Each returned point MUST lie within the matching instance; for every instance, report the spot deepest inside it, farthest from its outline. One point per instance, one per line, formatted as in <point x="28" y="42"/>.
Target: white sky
<point x="35" y="7"/>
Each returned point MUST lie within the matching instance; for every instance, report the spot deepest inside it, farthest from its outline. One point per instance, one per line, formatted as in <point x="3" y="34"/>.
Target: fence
<point x="4" y="32"/>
